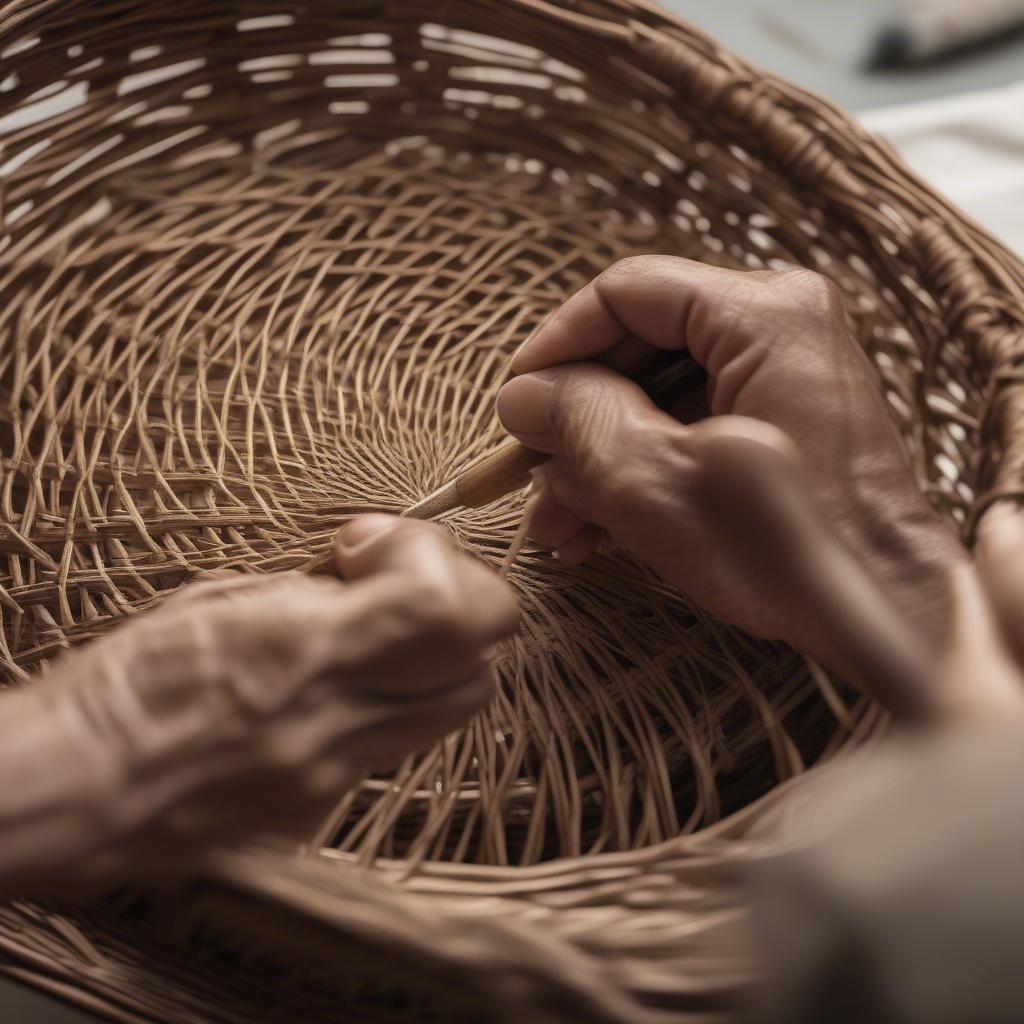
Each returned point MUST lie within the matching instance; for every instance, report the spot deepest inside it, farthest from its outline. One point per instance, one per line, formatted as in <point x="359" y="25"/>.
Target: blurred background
<point x="943" y="80"/>
<point x="823" y="45"/>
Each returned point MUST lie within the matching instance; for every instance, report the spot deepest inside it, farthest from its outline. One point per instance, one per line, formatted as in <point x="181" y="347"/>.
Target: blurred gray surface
<point x="821" y="43"/>
<point x="21" y="1005"/>
<point x="817" y="43"/>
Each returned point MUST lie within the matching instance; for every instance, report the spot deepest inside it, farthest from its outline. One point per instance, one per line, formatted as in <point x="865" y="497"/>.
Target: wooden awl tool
<point x="665" y="376"/>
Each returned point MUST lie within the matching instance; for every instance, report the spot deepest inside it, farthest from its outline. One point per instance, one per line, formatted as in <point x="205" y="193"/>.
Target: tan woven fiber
<point x="261" y="268"/>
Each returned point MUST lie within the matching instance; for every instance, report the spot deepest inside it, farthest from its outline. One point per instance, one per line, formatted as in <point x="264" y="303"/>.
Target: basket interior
<point x="262" y="271"/>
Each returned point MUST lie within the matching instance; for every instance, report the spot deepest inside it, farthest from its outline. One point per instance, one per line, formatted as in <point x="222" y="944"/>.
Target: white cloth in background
<point x="969" y="147"/>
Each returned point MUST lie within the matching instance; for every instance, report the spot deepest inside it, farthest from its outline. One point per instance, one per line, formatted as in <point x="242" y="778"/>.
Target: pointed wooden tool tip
<point x="444" y="499"/>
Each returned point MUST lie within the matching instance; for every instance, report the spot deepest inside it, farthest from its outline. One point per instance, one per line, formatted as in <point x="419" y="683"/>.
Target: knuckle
<point x="807" y="294"/>
<point x="585" y="414"/>
<point x="416" y="529"/>
<point x="438" y="612"/>
<point x="614" y="441"/>
<point x="638" y="269"/>
<point x="462" y="610"/>
<point x="629" y="266"/>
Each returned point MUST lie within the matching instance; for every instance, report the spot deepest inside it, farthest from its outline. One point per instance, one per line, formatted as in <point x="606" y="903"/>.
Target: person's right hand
<point x="244" y="706"/>
<point x="777" y="351"/>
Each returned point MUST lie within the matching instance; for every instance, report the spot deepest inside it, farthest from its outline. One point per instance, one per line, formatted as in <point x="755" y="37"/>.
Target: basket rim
<point x="968" y="266"/>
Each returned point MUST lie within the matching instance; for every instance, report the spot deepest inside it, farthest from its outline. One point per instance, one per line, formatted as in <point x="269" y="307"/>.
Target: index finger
<point x="759" y="502"/>
<point x="656" y="300"/>
<point x="1000" y="561"/>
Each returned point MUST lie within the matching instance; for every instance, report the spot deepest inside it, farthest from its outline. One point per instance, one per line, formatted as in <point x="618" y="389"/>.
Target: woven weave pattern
<point x="261" y="269"/>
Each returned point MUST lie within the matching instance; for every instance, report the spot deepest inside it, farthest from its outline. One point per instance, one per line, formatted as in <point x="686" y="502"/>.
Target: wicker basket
<point x="261" y="268"/>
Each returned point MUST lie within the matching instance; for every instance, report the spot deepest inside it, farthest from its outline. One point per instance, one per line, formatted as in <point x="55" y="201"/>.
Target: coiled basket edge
<point x="433" y="178"/>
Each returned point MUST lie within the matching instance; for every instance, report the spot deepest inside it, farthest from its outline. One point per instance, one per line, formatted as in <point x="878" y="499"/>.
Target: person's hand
<point x="753" y="494"/>
<point x="985" y="653"/>
<point x="777" y="350"/>
<point x="245" y="706"/>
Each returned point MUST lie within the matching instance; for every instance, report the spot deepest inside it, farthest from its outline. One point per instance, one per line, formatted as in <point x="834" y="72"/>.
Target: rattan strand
<point x="261" y="268"/>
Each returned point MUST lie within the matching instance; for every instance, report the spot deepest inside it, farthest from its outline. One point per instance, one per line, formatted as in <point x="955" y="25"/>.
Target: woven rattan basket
<point x="261" y="268"/>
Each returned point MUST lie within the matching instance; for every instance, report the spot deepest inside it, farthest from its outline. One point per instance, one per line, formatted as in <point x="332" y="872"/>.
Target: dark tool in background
<point x="927" y="30"/>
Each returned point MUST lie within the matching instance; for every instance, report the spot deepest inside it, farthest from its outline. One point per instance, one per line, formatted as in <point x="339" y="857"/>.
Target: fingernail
<point x="517" y="355"/>
<point x="518" y="352"/>
<point x="523" y="403"/>
<point x="363" y="531"/>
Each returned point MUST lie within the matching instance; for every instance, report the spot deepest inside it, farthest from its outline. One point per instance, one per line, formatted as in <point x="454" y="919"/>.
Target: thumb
<point x="426" y="576"/>
<point x="574" y="411"/>
<point x="373" y="544"/>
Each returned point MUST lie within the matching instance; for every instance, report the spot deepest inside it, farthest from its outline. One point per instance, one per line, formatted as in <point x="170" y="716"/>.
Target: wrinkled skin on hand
<point x="754" y="495"/>
<point x="244" y="706"/>
<point x="984" y="657"/>
<point x="778" y="351"/>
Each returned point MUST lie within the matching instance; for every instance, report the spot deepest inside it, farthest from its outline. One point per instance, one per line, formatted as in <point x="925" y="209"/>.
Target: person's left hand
<point x="244" y="706"/>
